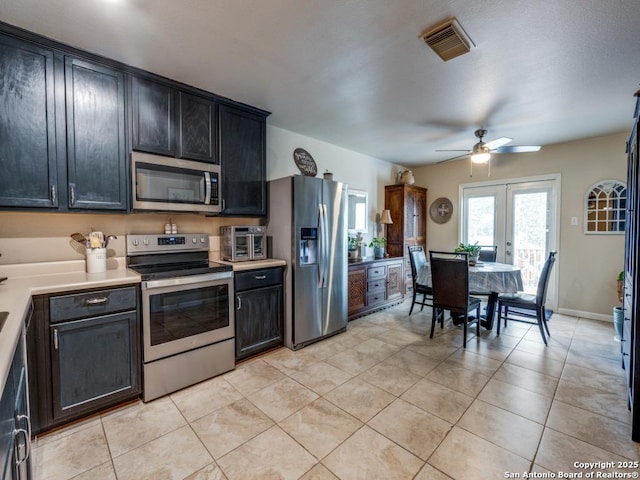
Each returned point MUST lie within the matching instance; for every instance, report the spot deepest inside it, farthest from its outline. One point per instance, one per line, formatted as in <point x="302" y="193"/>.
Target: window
<point x="605" y="208"/>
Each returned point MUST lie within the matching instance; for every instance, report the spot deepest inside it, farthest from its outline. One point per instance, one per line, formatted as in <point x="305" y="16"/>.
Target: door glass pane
<point x="185" y="313"/>
<point x="530" y="232"/>
<point x="480" y="219"/>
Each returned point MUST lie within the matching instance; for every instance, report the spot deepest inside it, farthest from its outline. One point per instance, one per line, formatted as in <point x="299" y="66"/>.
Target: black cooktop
<point x="152" y="271"/>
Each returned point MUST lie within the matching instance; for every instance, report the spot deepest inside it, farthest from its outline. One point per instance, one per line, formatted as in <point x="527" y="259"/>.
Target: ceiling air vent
<point x="448" y="40"/>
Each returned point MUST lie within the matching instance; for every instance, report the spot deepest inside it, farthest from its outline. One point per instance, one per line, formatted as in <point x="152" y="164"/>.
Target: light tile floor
<point x="381" y="401"/>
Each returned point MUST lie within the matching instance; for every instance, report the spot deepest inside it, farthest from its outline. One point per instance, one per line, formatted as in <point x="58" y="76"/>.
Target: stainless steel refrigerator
<point x="308" y="228"/>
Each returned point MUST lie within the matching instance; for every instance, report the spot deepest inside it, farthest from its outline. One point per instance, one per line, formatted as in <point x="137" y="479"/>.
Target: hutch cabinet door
<point x="96" y="159"/>
<point x="27" y="126"/>
<point x="153" y="117"/>
<point x="243" y="162"/>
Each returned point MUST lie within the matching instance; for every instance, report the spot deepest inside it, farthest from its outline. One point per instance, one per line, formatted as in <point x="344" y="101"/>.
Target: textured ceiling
<point x="355" y="74"/>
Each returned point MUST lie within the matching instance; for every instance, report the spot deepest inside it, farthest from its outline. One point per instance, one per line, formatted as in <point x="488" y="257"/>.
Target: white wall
<point x="588" y="265"/>
<point x="361" y="172"/>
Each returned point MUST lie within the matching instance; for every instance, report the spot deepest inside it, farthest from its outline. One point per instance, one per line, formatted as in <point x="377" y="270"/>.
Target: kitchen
<point x="24" y="234"/>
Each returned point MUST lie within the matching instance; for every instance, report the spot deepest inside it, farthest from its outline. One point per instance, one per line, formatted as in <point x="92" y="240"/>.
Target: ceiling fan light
<point x="481" y="157"/>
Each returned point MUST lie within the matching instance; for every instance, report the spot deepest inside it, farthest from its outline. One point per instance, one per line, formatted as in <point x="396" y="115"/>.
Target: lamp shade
<point x="385" y="217"/>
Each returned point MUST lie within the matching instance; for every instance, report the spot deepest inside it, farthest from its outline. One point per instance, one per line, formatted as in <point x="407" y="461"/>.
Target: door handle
<point x="24" y="433"/>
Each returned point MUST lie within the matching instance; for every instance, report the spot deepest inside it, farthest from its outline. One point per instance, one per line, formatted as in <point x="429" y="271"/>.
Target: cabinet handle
<point x="224" y="206"/>
<point x="56" y="342"/>
<point x="260" y="277"/>
<point x="239" y="303"/>
<point x="72" y="194"/>
<point x="52" y="195"/>
<point x="97" y="300"/>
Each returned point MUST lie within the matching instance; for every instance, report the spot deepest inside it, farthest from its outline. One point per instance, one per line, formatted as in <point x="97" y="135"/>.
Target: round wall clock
<point x="440" y="210"/>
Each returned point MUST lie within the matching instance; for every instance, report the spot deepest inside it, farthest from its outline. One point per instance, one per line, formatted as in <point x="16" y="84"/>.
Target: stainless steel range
<point x="187" y="314"/>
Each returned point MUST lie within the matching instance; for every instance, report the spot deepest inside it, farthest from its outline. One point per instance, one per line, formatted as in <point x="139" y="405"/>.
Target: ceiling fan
<point x="481" y="151"/>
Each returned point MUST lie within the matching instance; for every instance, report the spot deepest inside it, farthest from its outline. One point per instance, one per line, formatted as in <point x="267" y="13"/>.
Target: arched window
<point x="605" y="206"/>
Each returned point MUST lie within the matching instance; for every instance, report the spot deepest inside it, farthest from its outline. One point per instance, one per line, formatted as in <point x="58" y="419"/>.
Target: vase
<point x="618" y="321"/>
<point x="378" y="252"/>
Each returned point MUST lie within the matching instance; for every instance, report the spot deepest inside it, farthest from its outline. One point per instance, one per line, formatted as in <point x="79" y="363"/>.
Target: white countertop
<point x="255" y="264"/>
<point x="40" y="278"/>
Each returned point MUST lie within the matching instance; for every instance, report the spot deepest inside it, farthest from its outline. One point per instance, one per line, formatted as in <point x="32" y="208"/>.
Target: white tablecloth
<point x="485" y="278"/>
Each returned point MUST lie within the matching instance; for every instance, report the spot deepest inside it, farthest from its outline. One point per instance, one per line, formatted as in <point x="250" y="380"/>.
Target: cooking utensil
<point x="106" y="240"/>
<point x="78" y="237"/>
<point x="96" y="239"/>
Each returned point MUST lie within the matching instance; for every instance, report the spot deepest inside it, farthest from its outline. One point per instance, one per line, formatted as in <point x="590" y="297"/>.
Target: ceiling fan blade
<point x="498" y="142"/>
<point x="517" y="149"/>
<point x="452" y="158"/>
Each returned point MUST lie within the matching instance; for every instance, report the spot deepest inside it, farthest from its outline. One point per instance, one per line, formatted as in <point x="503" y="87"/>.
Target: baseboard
<point x="590" y="315"/>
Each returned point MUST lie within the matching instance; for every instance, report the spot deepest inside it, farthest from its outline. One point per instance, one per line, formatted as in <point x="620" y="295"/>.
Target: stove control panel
<point x="184" y="242"/>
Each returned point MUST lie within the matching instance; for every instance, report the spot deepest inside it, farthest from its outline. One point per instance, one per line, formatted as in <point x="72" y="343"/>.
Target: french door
<point x="519" y="216"/>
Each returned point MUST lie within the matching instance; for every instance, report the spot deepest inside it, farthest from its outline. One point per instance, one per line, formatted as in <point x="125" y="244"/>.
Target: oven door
<point x="170" y="184"/>
<point x="181" y="314"/>
<point x="259" y="247"/>
<point x="242" y="246"/>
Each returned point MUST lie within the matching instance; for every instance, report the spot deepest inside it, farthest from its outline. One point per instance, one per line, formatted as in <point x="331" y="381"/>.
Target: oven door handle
<point x="188" y="280"/>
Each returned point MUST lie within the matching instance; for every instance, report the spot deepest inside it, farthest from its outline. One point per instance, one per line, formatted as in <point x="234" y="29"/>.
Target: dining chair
<point x="488" y="253"/>
<point x="532" y="306"/>
<point x="418" y="260"/>
<point x="450" y="284"/>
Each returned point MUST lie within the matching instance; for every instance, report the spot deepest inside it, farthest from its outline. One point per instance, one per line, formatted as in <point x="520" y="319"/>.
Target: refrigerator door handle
<point x="325" y="259"/>
<point x="321" y="258"/>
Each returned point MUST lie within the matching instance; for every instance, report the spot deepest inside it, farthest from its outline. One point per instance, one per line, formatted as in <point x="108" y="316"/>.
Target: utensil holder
<point x="96" y="260"/>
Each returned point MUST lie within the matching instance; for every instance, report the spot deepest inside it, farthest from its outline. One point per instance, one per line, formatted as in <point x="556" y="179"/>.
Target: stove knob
<point x="146" y="241"/>
<point x="136" y="243"/>
<point x="194" y="240"/>
<point x="201" y="239"/>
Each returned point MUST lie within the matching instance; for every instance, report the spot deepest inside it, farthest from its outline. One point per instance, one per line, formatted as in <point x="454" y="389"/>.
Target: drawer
<point x="91" y="304"/>
<point x="264" y="277"/>
<point x="376" y="285"/>
<point x="375" y="298"/>
<point x="379" y="271"/>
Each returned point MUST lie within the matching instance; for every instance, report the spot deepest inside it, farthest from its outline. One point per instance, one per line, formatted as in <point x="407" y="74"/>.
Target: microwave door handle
<point x="207" y="188"/>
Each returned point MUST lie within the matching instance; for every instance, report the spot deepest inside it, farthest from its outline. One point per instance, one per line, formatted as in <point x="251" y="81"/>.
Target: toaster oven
<point x="243" y="243"/>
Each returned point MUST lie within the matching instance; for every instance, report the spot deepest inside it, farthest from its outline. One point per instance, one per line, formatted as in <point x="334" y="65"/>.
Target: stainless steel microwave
<point x="241" y="243"/>
<point x="174" y="185"/>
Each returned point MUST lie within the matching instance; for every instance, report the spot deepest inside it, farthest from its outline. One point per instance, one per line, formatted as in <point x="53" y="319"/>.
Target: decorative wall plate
<point x="441" y="210"/>
<point x="305" y="162"/>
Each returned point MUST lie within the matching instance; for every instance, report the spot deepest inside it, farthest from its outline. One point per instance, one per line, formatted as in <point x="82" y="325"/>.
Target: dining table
<point x="485" y="278"/>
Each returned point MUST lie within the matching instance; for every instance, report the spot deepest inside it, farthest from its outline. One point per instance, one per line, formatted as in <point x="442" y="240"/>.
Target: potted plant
<point x="353" y="247"/>
<point x="378" y="245"/>
<point x="472" y="250"/>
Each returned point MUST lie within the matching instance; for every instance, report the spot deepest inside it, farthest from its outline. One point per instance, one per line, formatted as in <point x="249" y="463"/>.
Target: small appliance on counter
<point x="243" y="243"/>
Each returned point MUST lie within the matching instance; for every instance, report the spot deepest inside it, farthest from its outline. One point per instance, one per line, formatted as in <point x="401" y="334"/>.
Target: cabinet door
<point x="95" y="361"/>
<point x="395" y="285"/>
<point x="420" y="216"/>
<point x="197" y="128"/>
<point x="409" y="217"/>
<point x="27" y="126"/>
<point x="7" y="425"/>
<point x="357" y="289"/>
<point x="243" y="162"/>
<point x="259" y="320"/>
<point x="97" y="169"/>
<point x="153" y="117"/>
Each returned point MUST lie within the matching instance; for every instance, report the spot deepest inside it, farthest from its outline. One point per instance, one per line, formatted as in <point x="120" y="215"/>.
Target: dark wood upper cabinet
<point x="96" y="160"/>
<point x="27" y="126"/>
<point x="171" y="122"/>
<point x="242" y="161"/>
<point x="154" y="107"/>
<point x="197" y="128"/>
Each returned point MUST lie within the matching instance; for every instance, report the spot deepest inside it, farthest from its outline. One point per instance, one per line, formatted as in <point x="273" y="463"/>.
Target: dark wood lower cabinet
<point x="84" y="354"/>
<point x="374" y="284"/>
<point x="259" y="311"/>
